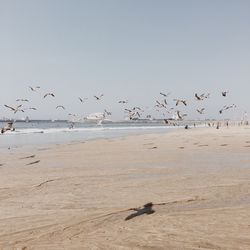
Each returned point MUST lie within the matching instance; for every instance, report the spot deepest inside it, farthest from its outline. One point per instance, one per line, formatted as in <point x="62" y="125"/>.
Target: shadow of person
<point x="146" y="209"/>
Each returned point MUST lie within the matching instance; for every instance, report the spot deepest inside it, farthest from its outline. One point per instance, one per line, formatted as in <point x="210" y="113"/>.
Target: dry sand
<point x="79" y="194"/>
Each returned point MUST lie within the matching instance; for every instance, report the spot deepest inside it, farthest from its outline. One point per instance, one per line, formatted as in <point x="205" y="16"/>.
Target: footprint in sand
<point x="203" y="145"/>
<point x="27" y="157"/>
<point x="153" y="148"/>
<point x="43" y="149"/>
<point x="223" y="145"/>
<point x="32" y="163"/>
<point x="181" y="147"/>
<point x="150" y="143"/>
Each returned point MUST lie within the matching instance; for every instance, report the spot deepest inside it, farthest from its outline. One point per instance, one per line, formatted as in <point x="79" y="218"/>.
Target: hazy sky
<point x="126" y="49"/>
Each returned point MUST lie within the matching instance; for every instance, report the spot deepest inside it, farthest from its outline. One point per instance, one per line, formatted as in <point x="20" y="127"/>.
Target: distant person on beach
<point x="9" y="126"/>
<point x="218" y="125"/>
<point x="72" y="125"/>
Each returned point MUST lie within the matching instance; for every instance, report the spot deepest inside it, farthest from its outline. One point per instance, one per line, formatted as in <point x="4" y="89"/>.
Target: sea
<point x="57" y="132"/>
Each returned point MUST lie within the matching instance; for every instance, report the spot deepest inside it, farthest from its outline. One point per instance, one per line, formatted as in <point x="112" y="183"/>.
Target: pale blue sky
<point x="130" y="49"/>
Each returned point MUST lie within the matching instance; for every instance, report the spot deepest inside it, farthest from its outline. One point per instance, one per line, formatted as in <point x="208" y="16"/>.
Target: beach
<point x="77" y="195"/>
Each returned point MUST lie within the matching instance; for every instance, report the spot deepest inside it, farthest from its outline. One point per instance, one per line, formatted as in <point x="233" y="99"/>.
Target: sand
<point x="78" y="195"/>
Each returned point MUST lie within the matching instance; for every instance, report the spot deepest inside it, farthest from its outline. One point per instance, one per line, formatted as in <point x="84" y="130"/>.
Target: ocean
<point x="49" y="132"/>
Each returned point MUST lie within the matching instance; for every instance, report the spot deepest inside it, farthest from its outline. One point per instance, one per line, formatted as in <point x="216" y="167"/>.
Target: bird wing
<point x="9" y="107"/>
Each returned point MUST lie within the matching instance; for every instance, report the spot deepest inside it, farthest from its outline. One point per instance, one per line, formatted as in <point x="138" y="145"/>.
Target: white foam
<point x="89" y="129"/>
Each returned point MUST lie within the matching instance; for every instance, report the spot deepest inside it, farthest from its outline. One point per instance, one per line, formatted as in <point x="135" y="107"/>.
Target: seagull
<point x="199" y="98"/>
<point x="98" y="98"/>
<point x="34" y="88"/>
<point x="227" y="107"/>
<point x="180" y="101"/>
<point x="132" y="114"/>
<point x="136" y="108"/>
<point x="82" y="99"/>
<point x="180" y="117"/>
<point x="15" y="110"/>
<point x="22" y="100"/>
<point x="202" y="96"/>
<point x="161" y="105"/>
<point x="224" y="93"/>
<point x="165" y="95"/>
<point x="31" y="108"/>
<point x="107" y="112"/>
<point x="138" y="114"/>
<point x="200" y="111"/>
<point x="128" y="110"/>
<point x="230" y="107"/>
<point x="123" y="102"/>
<point x="51" y="94"/>
<point x="9" y="126"/>
<point x="60" y="106"/>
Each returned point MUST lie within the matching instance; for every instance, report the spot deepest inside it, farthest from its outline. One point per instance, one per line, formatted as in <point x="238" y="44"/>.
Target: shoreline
<point x="75" y="141"/>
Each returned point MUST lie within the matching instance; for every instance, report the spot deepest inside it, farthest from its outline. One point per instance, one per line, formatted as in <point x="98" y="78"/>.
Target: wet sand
<point x="77" y="196"/>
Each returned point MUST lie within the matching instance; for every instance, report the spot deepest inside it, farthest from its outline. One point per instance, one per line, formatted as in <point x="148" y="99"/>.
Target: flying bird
<point x="199" y="98"/>
<point x="202" y="96"/>
<point x="60" y="106"/>
<point x="200" y="111"/>
<point x="32" y="108"/>
<point x="98" y="98"/>
<point x="82" y="99"/>
<point x="15" y="110"/>
<point x="165" y="95"/>
<point x="180" y="117"/>
<point x="128" y="110"/>
<point x="107" y="112"/>
<point x="227" y="107"/>
<point x="221" y="111"/>
<point x="178" y="101"/>
<point x="123" y="102"/>
<point x="22" y="100"/>
<point x="49" y="94"/>
<point x="161" y="105"/>
<point x="224" y="93"/>
<point x="34" y="88"/>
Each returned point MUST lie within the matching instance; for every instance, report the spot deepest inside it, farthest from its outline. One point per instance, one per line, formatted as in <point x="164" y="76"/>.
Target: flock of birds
<point x="134" y="113"/>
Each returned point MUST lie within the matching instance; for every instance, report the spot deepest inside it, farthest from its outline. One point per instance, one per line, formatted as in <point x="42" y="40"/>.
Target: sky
<point x="125" y="49"/>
